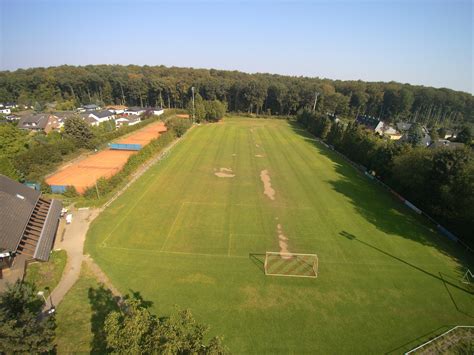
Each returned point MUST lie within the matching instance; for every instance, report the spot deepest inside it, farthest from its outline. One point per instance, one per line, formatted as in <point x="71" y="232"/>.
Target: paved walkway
<point x="72" y="241"/>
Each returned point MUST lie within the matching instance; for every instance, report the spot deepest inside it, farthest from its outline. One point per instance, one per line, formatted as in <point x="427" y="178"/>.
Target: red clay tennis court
<point x="83" y="174"/>
<point x="145" y="135"/>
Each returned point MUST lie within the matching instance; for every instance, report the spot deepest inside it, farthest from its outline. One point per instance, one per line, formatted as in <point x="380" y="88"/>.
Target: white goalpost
<point x="291" y="264"/>
<point x="468" y="277"/>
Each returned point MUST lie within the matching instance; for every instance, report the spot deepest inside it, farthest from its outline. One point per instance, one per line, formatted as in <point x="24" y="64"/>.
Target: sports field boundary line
<point x="134" y="178"/>
<point x="244" y="205"/>
<point x="155" y="251"/>
<point x="171" y="228"/>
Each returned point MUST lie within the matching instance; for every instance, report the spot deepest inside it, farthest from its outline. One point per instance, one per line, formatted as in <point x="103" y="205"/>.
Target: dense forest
<point x="253" y="93"/>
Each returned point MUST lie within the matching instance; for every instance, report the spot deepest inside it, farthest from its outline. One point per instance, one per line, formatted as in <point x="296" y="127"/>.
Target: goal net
<point x="291" y="264"/>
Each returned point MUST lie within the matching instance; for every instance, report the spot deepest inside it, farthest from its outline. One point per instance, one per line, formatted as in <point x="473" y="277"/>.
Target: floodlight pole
<point x="192" y="89"/>
<point x="41" y="293"/>
<point x="316" y="94"/>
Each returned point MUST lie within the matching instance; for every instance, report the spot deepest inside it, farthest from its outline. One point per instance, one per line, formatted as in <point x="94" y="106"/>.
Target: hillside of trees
<point x="253" y="93"/>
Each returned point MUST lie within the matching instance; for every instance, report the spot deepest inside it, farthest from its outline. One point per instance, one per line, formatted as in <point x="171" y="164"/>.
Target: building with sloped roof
<point x="39" y="122"/>
<point x="101" y="116"/>
<point x="28" y="221"/>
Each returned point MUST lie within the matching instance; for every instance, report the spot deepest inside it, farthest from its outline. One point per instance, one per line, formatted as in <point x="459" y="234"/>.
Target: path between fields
<point x="74" y="237"/>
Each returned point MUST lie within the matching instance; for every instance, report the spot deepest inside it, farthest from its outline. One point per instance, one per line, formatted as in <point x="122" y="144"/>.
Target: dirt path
<point x="73" y="243"/>
<point x="100" y="275"/>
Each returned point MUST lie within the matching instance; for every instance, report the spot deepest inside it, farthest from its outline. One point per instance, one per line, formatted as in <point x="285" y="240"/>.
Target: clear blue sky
<point x="420" y="42"/>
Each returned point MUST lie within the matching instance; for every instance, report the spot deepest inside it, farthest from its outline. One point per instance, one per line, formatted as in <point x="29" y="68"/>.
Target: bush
<point x="70" y="192"/>
<point x="178" y="125"/>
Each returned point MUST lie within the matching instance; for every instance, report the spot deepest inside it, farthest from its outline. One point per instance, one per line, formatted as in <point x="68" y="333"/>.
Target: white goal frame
<point x="311" y="266"/>
<point x="467" y="277"/>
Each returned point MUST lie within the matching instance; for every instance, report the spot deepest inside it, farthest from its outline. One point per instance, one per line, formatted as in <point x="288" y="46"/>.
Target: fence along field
<point x="194" y="231"/>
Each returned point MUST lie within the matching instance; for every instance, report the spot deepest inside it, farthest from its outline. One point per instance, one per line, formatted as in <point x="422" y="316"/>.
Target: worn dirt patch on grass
<point x="259" y="156"/>
<point x="282" y="242"/>
<point x="267" y="184"/>
<point x="224" y="173"/>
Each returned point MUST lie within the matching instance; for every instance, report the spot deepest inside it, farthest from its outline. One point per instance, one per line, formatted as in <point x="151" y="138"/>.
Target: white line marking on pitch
<point x="172" y="227"/>
<point x="178" y="252"/>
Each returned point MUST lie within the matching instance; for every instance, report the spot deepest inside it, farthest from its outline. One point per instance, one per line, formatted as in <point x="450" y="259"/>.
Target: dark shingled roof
<point x="14" y="211"/>
<point x="34" y="121"/>
<point x="45" y="243"/>
<point x="368" y="121"/>
<point x="17" y="204"/>
<point x="443" y="143"/>
<point x="102" y="114"/>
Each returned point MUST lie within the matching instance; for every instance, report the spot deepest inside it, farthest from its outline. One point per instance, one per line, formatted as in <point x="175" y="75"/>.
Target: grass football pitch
<point x="181" y="235"/>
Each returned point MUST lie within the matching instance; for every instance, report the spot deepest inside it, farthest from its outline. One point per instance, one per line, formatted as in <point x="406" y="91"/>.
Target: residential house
<point x="444" y="143"/>
<point x="449" y="134"/>
<point x="157" y="111"/>
<point x="127" y="121"/>
<point x="101" y="116"/>
<point x="88" y="108"/>
<point x="39" y="122"/>
<point x="134" y="111"/>
<point x="5" y="111"/>
<point x="378" y="126"/>
<point x="117" y="109"/>
<point x="370" y="123"/>
<point x="12" y="118"/>
<point x="404" y="127"/>
<point x="11" y="105"/>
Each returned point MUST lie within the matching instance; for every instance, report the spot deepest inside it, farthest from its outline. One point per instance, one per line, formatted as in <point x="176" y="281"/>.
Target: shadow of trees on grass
<point x="383" y="210"/>
<point x="102" y="302"/>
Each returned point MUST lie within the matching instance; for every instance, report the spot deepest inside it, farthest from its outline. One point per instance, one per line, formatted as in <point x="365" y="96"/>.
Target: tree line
<point x="258" y="93"/>
<point x="439" y="181"/>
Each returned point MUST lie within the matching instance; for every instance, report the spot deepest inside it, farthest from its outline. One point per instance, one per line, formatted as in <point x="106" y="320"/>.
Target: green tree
<point x="465" y="135"/>
<point x="21" y="330"/>
<point x="8" y="169"/>
<point x="215" y="110"/>
<point x="134" y="330"/>
<point x="12" y="140"/>
<point x="434" y="134"/>
<point x="442" y="132"/>
<point x="178" y="125"/>
<point x="199" y="108"/>
<point x="78" y="130"/>
<point x="415" y="134"/>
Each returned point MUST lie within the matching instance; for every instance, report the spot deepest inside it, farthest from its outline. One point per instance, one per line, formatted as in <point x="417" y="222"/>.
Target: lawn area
<point x="80" y="316"/>
<point x="182" y="235"/>
<point x="46" y="275"/>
